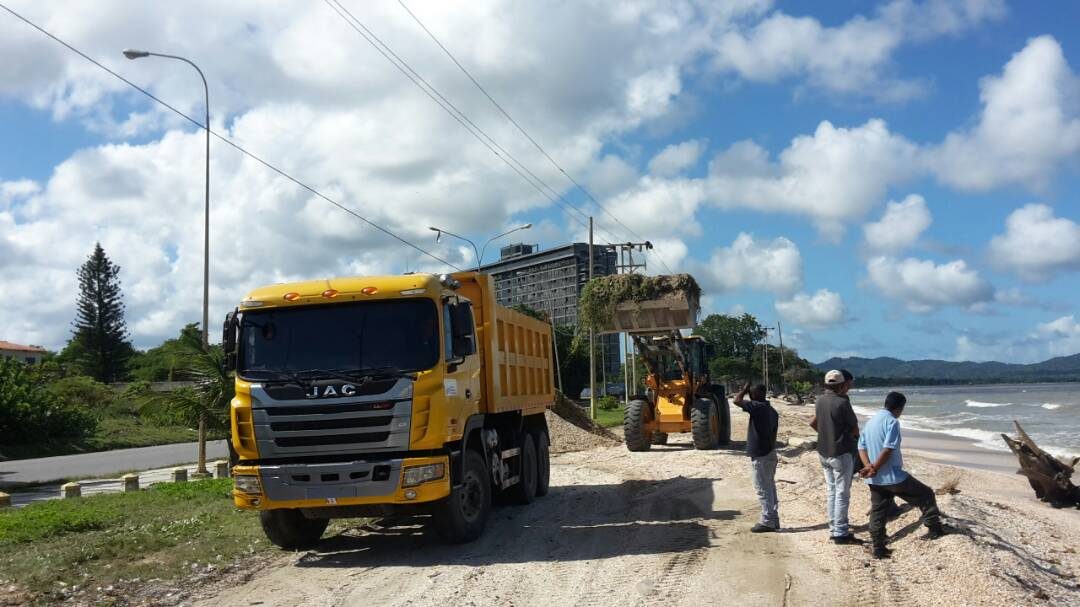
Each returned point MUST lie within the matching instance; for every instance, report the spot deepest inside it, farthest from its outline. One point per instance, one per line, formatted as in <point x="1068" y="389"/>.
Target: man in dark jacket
<point x="838" y="431"/>
<point x="761" y="447"/>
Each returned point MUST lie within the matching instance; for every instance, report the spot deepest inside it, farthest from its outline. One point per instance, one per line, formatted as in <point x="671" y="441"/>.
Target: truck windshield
<point x="401" y="335"/>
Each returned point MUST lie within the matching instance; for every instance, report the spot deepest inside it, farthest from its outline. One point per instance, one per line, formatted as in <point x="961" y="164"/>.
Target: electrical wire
<point x="482" y="136"/>
<point x="228" y="141"/>
<point x="532" y="140"/>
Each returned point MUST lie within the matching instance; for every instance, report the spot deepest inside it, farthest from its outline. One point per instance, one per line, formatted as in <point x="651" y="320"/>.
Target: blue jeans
<point x="838" y="472"/>
<point x="765" y="484"/>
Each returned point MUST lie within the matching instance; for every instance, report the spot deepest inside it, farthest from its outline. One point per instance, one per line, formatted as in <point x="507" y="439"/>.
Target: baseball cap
<point x="834" y="377"/>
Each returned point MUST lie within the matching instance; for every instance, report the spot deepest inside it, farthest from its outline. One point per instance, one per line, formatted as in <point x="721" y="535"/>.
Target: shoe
<point x="846" y="539"/>
<point x="762" y="528"/>
<point x="881" y="552"/>
<point x="934" y="533"/>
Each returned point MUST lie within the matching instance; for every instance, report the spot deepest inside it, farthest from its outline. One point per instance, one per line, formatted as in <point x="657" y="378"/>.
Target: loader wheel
<point x="634" y="426"/>
<point x="725" y="422"/>
<point x="461" y="516"/>
<point x="543" y="463"/>
<point x="524" y="492"/>
<point x="705" y="424"/>
<point x="287" y="528"/>
<point x="659" y="438"/>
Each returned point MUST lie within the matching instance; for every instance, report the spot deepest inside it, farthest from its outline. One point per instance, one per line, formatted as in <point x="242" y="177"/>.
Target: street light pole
<point x="137" y="54"/>
<point x="478" y="252"/>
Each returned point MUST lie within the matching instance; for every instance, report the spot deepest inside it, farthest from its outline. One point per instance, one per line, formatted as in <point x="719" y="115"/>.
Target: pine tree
<point x="100" y="345"/>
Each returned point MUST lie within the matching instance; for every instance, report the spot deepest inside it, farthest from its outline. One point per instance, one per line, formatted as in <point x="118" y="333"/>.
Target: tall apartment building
<point x="551" y="281"/>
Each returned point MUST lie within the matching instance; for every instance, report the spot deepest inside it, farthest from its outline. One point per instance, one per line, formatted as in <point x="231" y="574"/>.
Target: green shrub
<point x="608" y="403"/>
<point x="85" y="392"/>
<point x="30" y="413"/>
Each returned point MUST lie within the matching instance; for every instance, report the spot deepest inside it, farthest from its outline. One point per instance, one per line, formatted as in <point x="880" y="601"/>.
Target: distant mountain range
<point x="1062" y="368"/>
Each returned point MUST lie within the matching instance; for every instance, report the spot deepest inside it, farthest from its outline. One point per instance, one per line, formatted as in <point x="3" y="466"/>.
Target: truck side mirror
<point x="462" y="334"/>
<point x="228" y="341"/>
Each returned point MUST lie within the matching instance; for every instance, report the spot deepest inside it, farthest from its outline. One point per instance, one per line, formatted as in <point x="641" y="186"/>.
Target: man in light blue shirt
<point x="883" y="469"/>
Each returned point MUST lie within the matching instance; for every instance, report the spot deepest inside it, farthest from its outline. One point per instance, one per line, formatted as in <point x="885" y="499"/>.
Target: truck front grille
<point x="328" y="426"/>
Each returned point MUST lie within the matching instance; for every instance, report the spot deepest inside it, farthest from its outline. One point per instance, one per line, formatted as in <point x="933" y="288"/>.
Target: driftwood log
<point x="1049" y="477"/>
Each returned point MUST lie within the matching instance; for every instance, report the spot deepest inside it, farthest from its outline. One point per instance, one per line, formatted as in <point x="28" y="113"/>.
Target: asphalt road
<point x="20" y="472"/>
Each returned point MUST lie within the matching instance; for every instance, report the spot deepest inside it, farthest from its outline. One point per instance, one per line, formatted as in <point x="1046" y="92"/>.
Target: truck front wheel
<point x="461" y="517"/>
<point x="634" y="426"/>
<point x="291" y="530"/>
<point x="705" y="424"/>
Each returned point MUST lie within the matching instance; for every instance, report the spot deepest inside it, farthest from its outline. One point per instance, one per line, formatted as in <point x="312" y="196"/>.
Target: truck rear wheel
<point x="462" y="515"/>
<point x="524" y="492"/>
<point x="291" y="530"/>
<point x="634" y="426"/>
<point x="705" y="424"/>
<point x="543" y="463"/>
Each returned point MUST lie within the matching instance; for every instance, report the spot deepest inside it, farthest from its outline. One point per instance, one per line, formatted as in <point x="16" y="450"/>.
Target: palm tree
<point x="206" y="402"/>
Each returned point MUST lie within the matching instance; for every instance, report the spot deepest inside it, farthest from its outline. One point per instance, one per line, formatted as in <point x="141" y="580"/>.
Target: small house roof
<point x="7" y="345"/>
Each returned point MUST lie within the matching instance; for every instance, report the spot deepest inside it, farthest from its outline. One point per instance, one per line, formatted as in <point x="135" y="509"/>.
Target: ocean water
<point x="1049" y="413"/>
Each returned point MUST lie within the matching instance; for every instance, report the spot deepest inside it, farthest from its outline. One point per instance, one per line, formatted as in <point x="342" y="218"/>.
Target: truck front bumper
<point x="355" y="483"/>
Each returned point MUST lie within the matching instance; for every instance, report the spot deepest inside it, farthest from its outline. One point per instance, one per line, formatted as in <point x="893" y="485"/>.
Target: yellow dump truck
<point x="372" y="396"/>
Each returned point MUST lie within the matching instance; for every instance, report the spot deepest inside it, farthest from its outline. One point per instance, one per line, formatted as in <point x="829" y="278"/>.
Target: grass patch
<point x="609" y="418"/>
<point x="114" y="432"/>
<point x="160" y="532"/>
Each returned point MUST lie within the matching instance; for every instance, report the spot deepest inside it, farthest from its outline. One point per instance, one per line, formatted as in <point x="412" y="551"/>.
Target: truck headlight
<point x="415" y="475"/>
<point x="246" y="483"/>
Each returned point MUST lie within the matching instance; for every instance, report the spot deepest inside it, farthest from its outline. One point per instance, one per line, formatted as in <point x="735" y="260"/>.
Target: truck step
<point x="510" y="482"/>
<point x="511" y="453"/>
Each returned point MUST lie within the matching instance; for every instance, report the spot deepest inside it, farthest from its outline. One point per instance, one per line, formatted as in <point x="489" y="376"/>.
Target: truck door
<point x="461" y="384"/>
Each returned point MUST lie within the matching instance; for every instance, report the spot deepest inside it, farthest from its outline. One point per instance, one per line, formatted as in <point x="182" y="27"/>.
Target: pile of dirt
<point x="572" y="429"/>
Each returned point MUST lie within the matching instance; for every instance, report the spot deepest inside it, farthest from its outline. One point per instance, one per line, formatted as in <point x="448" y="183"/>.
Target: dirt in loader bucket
<point x="632" y="303"/>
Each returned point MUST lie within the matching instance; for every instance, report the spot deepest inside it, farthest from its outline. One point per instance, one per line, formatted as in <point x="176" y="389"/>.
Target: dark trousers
<point x="911" y="491"/>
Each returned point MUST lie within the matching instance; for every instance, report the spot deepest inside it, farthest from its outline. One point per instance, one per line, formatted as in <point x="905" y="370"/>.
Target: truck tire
<point x="524" y="492"/>
<point x="543" y="463"/>
<point x="462" y="515"/>
<point x="705" y="424"/>
<point x="634" y="426"/>
<point x="289" y="529"/>
<point x="725" y="422"/>
<point x="659" y="438"/>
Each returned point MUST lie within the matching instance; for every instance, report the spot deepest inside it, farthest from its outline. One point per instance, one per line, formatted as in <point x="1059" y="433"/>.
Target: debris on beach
<point x="1050" y="477"/>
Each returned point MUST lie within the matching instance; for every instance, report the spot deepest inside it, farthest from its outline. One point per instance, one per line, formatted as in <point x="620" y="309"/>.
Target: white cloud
<point x="1062" y="335"/>
<point x="21" y="188"/>
<point x="921" y="285"/>
<point x="1036" y="245"/>
<point x="834" y="176"/>
<point x="659" y="207"/>
<point x="1030" y="124"/>
<point x="1058" y="337"/>
<point x="900" y="226"/>
<point x="676" y="158"/>
<point x="774" y="266"/>
<point x="853" y="57"/>
<point x="820" y="310"/>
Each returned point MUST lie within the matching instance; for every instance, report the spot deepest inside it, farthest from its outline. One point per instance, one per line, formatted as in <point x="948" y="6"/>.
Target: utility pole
<point x="592" y="338"/>
<point x="783" y="376"/>
<point x="555" y="347"/>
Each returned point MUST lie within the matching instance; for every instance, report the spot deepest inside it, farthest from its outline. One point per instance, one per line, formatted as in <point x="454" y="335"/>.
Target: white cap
<point x="833" y="378"/>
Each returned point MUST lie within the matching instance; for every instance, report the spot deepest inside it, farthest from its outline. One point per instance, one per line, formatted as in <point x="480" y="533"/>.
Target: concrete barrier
<point x="179" y="475"/>
<point x="221" y="469"/>
<point x="131" y="482"/>
<point x="71" y="490"/>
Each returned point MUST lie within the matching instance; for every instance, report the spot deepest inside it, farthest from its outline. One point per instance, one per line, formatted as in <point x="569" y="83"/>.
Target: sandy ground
<point x="671" y="526"/>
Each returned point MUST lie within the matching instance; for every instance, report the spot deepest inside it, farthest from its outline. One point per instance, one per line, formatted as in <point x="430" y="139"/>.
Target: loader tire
<point x="659" y="438"/>
<point x="705" y="424"/>
<point x="725" y="422"/>
<point x="462" y="515"/>
<point x="543" y="463"/>
<point x="634" y="417"/>
<point x="288" y="529"/>
<point x="524" y="492"/>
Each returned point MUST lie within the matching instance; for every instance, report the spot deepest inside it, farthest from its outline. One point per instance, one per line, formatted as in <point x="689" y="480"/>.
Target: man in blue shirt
<point x="883" y="469"/>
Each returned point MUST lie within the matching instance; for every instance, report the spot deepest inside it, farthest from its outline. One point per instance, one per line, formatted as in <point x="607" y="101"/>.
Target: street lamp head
<point x="438" y="234"/>
<point x="131" y="53"/>
<point x="525" y="227"/>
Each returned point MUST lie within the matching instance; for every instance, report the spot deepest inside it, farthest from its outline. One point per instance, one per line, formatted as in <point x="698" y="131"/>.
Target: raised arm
<point x="739" y="398"/>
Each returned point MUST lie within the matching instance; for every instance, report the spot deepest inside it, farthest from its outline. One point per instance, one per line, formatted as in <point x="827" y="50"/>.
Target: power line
<point x="433" y="93"/>
<point x="521" y="128"/>
<point x="228" y="141"/>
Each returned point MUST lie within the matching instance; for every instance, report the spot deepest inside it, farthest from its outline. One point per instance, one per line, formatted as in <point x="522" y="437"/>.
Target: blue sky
<point x="754" y="143"/>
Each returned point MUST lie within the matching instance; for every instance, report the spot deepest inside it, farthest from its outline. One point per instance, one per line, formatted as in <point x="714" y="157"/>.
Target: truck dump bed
<point x="515" y="347"/>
